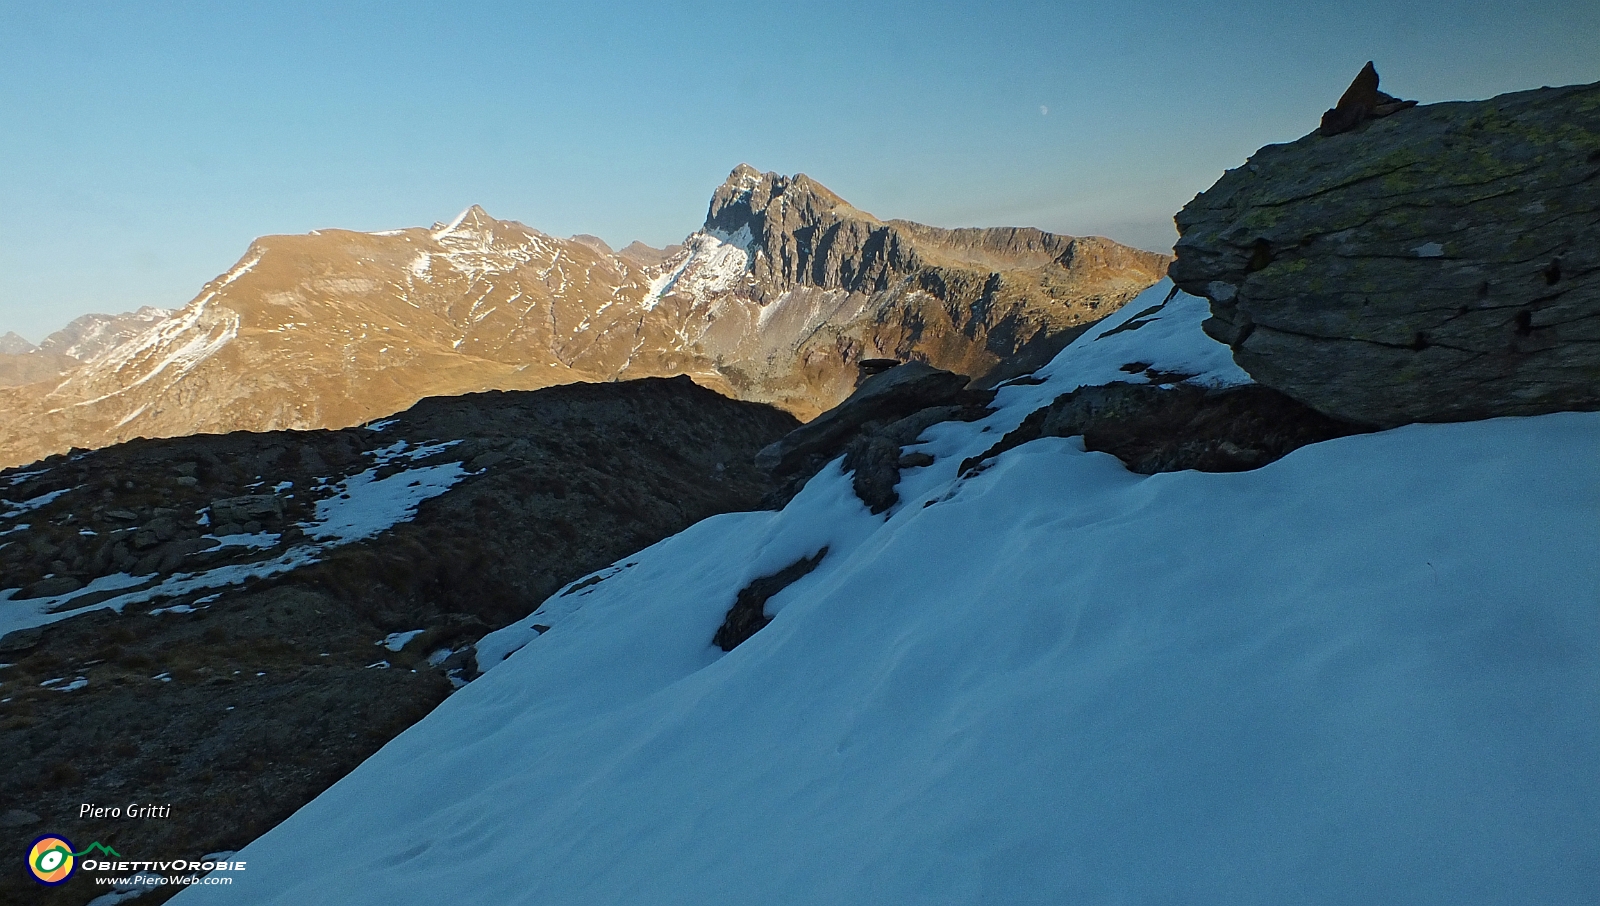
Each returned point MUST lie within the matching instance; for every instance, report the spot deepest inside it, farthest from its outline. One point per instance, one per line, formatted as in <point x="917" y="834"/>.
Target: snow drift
<point x="1367" y="672"/>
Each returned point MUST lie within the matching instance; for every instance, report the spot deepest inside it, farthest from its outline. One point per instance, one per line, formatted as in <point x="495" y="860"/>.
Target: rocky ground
<point x="235" y="704"/>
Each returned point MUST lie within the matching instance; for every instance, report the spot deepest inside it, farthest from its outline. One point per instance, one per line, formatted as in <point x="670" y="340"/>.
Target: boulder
<point x="1154" y="428"/>
<point x="242" y="510"/>
<point x="1438" y="264"/>
<point x="13" y="643"/>
<point x="51" y="587"/>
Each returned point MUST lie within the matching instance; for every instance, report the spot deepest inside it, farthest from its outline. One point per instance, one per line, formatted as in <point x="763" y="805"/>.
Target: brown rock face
<point x="776" y="300"/>
<point x="834" y="285"/>
<point x="1441" y="264"/>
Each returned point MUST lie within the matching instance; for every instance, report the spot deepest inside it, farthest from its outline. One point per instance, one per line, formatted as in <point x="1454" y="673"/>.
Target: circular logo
<point x="51" y="859"/>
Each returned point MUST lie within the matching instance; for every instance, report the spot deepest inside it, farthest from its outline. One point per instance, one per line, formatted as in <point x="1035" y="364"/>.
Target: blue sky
<point x="142" y="146"/>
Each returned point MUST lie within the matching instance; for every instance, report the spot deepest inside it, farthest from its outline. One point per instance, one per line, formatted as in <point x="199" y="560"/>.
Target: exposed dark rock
<point x="873" y="456"/>
<point x="889" y="410"/>
<point x="18" y="818"/>
<point x="56" y="585"/>
<point x="255" y="507"/>
<point x="748" y="614"/>
<point x="1443" y="265"/>
<point x="20" y="640"/>
<point x="873" y="462"/>
<point x="898" y="392"/>
<point x="1360" y="102"/>
<point x="1168" y="429"/>
<point x="870" y="367"/>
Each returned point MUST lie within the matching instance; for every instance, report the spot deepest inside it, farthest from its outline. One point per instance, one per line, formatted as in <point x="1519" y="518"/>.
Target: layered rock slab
<point x="1441" y="264"/>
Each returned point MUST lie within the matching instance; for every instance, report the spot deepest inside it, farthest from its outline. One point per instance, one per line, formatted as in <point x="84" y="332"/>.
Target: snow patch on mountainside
<point x="711" y="263"/>
<point x="88" y="337"/>
<point x="449" y="229"/>
<point x="1364" y="672"/>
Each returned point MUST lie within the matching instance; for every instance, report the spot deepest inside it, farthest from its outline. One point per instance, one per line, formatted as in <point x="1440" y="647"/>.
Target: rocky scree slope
<point x="1439" y="264"/>
<point x="778" y="297"/>
<point x="228" y="624"/>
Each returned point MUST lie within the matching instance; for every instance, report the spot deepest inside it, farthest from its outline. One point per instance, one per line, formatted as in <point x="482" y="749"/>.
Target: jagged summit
<point x="803" y="234"/>
<point x="751" y="198"/>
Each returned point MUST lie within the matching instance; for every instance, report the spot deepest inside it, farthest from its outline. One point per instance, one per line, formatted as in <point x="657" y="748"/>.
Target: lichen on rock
<point x="1441" y="265"/>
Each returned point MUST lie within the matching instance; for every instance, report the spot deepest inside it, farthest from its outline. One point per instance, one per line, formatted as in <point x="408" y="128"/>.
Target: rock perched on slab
<point x="1440" y="265"/>
<point x="1360" y="102"/>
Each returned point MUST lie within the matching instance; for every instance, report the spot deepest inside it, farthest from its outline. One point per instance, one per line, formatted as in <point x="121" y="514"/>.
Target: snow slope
<point x="1369" y="672"/>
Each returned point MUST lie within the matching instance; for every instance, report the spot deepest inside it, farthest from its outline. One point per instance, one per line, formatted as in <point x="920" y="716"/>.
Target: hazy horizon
<point x="146" y="148"/>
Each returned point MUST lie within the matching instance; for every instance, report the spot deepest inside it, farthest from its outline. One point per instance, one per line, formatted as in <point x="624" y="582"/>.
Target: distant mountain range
<point x="777" y="299"/>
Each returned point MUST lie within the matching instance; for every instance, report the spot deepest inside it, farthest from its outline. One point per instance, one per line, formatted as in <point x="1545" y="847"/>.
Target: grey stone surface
<point x="55" y="585"/>
<point x="18" y="818"/>
<point x="1439" y="264"/>
<point x="248" y="508"/>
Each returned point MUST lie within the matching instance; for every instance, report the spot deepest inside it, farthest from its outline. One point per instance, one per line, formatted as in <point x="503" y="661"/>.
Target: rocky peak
<point x="474" y="221"/>
<point x="802" y="234"/>
<point x="637" y="253"/>
<point x="748" y="198"/>
<point x="12" y="344"/>
<point x="87" y="336"/>
<point x="594" y="242"/>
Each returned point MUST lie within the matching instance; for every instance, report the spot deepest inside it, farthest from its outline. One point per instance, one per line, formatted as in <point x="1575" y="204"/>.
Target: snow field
<point x="1368" y="672"/>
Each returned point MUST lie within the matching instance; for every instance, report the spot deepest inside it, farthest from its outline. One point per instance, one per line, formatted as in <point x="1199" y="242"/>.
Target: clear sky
<point x="143" y="145"/>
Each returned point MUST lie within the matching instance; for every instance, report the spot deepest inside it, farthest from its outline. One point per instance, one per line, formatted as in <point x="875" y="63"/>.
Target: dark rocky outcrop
<point x="1154" y="428"/>
<point x="1439" y="265"/>
<point x="888" y="411"/>
<point x="894" y="393"/>
<point x="748" y="615"/>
